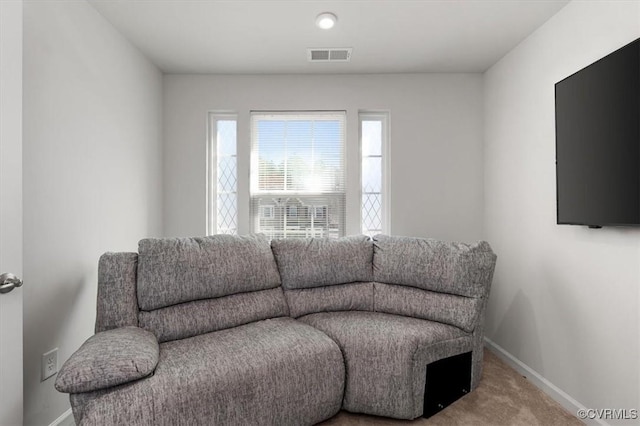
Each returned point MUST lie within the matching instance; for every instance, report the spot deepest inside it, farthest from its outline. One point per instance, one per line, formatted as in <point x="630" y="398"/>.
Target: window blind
<point x="298" y="174"/>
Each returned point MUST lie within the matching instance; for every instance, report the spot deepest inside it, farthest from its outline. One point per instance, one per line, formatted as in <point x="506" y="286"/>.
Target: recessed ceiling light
<point x="326" y="20"/>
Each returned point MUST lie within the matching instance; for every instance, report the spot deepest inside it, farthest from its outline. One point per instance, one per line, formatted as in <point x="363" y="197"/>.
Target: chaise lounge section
<point x="227" y="330"/>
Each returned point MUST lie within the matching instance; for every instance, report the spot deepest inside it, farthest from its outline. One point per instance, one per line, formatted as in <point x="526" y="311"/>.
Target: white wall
<point x="436" y="143"/>
<point x="92" y="176"/>
<point x="565" y="299"/>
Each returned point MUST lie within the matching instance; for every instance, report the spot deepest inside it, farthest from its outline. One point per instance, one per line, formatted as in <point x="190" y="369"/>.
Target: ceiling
<point x="271" y="37"/>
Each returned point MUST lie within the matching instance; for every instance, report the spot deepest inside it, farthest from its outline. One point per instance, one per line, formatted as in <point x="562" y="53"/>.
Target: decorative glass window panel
<point x="374" y="193"/>
<point x="223" y="175"/>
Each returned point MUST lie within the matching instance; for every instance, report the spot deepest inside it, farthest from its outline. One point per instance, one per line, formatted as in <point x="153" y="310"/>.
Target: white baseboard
<point x="557" y="394"/>
<point x="65" y="419"/>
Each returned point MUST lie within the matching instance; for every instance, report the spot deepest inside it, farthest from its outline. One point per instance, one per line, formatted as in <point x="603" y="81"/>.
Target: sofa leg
<point x="447" y="380"/>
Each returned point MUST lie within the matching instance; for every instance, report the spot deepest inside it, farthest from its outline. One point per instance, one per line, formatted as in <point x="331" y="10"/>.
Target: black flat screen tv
<point x="598" y="142"/>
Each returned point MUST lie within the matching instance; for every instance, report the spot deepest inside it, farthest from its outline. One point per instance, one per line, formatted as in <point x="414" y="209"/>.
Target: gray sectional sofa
<point x="227" y="330"/>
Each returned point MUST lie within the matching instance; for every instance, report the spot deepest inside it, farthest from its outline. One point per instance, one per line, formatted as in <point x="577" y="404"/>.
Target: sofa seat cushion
<point x="272" y="372"/>
<point x="386" y="358"/>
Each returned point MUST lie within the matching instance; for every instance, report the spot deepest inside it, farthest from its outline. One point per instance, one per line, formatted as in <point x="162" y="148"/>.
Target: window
<point x="267" y="212"/>
<point x="223" y="175"/>
<point x="374" y="190"/>
<point x="297" y="171"/>
<point x="320" y="211"/>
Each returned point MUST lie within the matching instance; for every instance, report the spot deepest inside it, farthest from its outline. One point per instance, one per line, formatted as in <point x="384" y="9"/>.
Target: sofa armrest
<point x="109" y="358"/>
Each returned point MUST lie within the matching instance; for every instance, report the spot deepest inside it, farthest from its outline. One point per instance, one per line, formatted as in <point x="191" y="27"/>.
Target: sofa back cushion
<point x="459" y="311"/>
<point x="437" y="266"/>
<point x="343" y="297"/>
<point x="317" y="262"/>
<point x="178" y="270"/>
<point x="204" y="316"/>
<point x="192" y="286"/>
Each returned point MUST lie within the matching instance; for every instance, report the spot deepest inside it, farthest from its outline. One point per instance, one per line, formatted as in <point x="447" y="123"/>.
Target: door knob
<point x="8" y="282"/>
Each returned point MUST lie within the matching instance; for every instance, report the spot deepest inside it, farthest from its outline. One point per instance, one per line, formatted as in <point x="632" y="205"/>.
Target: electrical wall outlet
<point x="49" y="364"/>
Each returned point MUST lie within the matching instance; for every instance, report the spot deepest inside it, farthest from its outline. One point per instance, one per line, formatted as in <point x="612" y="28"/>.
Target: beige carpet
<point x="503" y="398"/>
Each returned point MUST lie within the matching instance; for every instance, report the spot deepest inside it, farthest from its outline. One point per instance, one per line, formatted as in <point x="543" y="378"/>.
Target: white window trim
<point x="383" y="117"/>
<point x="212" y="168"/>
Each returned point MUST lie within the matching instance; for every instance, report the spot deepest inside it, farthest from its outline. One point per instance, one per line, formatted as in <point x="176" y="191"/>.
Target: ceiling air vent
<point x="329" y="55"/>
